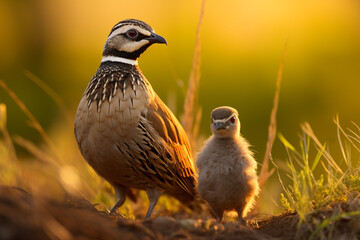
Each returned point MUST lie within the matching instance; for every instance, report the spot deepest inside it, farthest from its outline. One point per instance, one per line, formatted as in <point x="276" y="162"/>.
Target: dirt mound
<point x="23" y="216"/>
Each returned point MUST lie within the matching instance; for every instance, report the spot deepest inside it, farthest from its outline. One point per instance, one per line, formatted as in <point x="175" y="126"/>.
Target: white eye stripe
<point x="132" y="46"/>
<point x="119" y="25"/>
<point x="223" y="120"/>
<point x="126" y="28"/>
<point x="130" y="22"/>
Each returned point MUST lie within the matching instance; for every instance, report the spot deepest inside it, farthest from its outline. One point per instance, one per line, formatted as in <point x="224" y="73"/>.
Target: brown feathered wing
<point x="174" y="151"/>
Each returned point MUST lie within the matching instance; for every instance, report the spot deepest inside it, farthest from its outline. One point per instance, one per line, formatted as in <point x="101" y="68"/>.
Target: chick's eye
<point x="233" y="119"/>
<point x="132" y="33"/>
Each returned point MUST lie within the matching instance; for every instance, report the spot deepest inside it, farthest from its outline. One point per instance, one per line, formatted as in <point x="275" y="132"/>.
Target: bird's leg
<point x="153" y="195"/>
<point x="121" y="194"/>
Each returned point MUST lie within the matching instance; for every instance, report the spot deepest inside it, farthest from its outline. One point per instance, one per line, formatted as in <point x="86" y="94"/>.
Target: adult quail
<point x="227" y="169"/>
<point x="123" y="129"/>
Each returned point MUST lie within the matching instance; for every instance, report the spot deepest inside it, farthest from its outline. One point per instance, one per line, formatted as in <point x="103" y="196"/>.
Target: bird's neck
<point x="122" y="60"/>
<point x="109" y="51"/>
<point x="226" y="136"/>
<point x="222" y="139"/>
<point x="113" y="76"/>
<point x="123" y="67"/>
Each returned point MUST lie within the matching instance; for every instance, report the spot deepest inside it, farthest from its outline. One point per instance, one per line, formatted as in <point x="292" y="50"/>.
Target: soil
<point x="23" y="216"/>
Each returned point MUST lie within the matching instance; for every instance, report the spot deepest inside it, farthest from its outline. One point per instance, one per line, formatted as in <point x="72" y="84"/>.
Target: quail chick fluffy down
<point x="227" y="169"/>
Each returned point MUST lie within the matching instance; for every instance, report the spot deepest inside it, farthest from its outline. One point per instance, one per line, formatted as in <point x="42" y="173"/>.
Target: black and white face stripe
<point x="234" y="115"/>
<point x="127" y="40"/>
<point x="225" y="121"/>
<point x="121" y="40"/>
<point x="125" y="28"/>
<point x="132" y="22"/>
<point x="223" y="112"/>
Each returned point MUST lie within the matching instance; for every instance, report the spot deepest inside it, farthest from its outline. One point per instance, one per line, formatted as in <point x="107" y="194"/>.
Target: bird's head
<point x="225" y="122"/>
<point x="129" y="38"/>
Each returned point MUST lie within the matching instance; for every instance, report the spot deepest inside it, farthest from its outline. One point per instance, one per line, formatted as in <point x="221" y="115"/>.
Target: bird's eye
<point x="233" y="119"/>
<point x="132" y="33"/>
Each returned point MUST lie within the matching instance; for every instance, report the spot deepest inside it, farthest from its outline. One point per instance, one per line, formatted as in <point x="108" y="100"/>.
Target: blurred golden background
<point x="61" y="43"/>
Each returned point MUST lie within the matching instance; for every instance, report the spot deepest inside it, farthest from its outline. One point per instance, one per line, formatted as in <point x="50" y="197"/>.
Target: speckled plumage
<point x="227" y="170"/>
<point x="128" y="135"/>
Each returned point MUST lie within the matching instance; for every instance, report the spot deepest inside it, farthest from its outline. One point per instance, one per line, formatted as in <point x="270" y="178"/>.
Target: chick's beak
<point x="219" y="125"/>
<point x="154" y="38"/>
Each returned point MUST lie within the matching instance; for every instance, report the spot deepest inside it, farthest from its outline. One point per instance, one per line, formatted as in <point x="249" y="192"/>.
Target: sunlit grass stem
<point x="265" y="173"/>
<point x="5" y="133"/>
<point x="192" y="117"/>
<point x="33" y="121"/>
<point x="53" y="95"/>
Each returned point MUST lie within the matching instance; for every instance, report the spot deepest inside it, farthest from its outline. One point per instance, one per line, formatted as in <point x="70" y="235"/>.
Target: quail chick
<point x="123" y="129"/>
<point x="227" y="170"/>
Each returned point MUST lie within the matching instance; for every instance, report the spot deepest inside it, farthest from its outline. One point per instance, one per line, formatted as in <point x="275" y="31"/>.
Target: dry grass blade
<point x="308" y="130"/>
<point x="265" y="173"/>
<point x="9" y="143"/>
<point x="279" y="176"/>
<point x="35" y="151"/>
<point x="3" y="115"/>
<point x="53" y="95"/>
<point x="8" y="159"/>
<point x="358" y="127"/>
<point x="6" y="134"/>
<point x="355" y="136"/>
<point x="196" y="127"/>
<point x="193" y="87"/>
<point x="340" y="130"/>
<point x="348" y="137"/>
<point x="34" y="123"/>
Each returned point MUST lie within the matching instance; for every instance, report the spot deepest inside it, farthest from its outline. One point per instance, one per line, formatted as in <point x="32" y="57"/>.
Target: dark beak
<point x="219" y="125"/>
<point x="154" y="38"/>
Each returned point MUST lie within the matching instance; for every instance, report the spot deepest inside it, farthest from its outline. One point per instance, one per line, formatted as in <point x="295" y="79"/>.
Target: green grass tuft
<point x="310" y="193"/>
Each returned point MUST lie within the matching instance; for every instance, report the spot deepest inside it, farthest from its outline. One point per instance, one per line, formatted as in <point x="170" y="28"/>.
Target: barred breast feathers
<point x="112" y="79"/>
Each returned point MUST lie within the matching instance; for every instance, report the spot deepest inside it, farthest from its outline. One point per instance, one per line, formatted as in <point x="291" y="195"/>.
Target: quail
<point x="124" y="130"/>
<point x="227" y="170"/>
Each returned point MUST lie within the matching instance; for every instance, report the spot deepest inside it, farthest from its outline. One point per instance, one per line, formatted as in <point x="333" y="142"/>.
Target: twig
<point x="265" y="173"/>
<point x="193" y="87"/>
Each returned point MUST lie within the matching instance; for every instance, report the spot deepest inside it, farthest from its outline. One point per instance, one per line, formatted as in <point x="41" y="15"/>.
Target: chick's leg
<point x="240" y="211"/>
